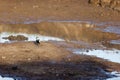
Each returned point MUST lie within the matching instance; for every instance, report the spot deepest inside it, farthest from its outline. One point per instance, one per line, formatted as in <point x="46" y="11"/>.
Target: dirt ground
<point x="44" y="61"/>
<point x="48" y="60"/>
<point x="21" y="51"/>
<point x="42" y="10"/>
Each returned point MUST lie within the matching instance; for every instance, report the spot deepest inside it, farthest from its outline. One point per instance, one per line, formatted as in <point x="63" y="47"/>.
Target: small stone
<point x="69" y="59"/>
<point x="87" y="50"/>
<point x="15" y="7"/>
<point x="67" y="40"/>
<point x="117" y="52"/>
<point x="101" y="14"/>
<point x="57" y="74"/>
<point x="13" y="56"/>
<point x="3" y="57"/>
<point x="14" y="68"/>
<point x="35" y="6"/>
<point x="29" y="59"/>
<point x="44" y="72"/>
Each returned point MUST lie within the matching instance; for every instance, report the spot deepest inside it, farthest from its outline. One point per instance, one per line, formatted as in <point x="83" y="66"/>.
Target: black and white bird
<point x="37" y="41"/>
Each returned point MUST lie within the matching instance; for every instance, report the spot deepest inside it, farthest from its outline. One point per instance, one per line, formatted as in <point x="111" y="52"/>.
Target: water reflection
<point x="71" y="30"/>
<point x="31" y="37"/>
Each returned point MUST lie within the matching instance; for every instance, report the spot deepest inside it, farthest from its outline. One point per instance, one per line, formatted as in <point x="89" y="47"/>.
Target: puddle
<point x="11" y="78"/>
<point x="115" y="73"/>
<point x="31" y="37"/>
<point x="112" y="29"/>
<point x="111" y="55"/>
<point x="6" y="78"/>
<point x="115" y="42"/>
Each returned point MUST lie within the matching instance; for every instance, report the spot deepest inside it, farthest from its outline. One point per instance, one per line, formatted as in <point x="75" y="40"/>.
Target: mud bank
<point x="50" y="61"/>
<point x="22" y="51"/>
<point x="66" y="30"/>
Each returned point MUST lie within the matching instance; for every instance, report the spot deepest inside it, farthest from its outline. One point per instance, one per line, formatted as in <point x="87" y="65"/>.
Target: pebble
<point x="87" y="50"/>
<point x="35" y="6"/>
<point x="57" y="74"/>
<point x="14" y="68"/>
<point x="29" y="59"/>
<point x="3" y="57"/>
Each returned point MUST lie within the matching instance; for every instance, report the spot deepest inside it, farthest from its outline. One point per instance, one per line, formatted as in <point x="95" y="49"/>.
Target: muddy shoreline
<point x="32" y="64"/>
<point x="77" y="26"/>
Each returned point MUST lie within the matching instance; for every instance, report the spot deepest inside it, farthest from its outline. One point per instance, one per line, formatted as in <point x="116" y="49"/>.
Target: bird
<point x="37" y="41"/>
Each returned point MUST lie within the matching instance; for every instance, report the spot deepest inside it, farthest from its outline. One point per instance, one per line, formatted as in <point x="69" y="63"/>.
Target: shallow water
<point x="111" y="55"/>
<point x="114" y="76"/>
<point x="31" y="37"/>
<point x="112" y="29"/>
<point x="115" y="73"/>
<point x="6" y="78"/>
<point x="115" y="42"/>
<point x="11" y="78"/>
